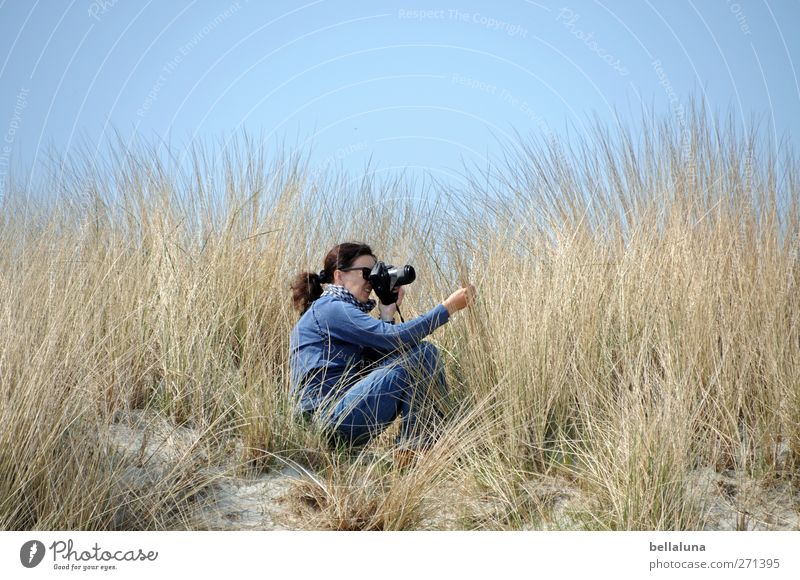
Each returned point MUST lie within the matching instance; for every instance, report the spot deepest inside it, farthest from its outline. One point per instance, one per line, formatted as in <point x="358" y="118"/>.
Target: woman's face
<point x="354" y="280"/>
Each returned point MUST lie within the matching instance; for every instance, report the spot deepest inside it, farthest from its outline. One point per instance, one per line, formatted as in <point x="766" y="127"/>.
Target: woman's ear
<point x="337" y="277"/>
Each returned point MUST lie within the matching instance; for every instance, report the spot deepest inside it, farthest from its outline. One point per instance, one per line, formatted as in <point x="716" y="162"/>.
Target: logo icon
<point x="31" y="553"/>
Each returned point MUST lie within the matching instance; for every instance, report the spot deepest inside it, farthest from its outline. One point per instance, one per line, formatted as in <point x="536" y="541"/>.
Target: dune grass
<point x="638" y="322"/>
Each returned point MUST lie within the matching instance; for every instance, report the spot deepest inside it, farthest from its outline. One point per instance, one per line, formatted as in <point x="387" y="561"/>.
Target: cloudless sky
<point x="420" y="85"/>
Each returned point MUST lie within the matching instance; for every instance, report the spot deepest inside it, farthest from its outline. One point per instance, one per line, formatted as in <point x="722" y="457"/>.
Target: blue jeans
<point x="400" y="385"/>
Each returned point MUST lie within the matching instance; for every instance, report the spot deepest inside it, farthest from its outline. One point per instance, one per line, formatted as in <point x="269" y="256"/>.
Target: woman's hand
<point x="460" y="299"/>
<point x="388" y="310"/>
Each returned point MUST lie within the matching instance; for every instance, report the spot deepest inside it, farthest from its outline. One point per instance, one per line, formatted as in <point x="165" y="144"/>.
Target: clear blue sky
<point x="410" y="84"/>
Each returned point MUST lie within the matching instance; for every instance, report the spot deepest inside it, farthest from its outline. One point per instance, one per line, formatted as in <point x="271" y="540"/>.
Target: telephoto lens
<point x="402" y="276"/>
<point x="385" y="279"/>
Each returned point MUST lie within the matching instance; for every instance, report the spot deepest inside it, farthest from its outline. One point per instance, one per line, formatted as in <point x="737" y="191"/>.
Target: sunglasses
<point x="365" y="272"/>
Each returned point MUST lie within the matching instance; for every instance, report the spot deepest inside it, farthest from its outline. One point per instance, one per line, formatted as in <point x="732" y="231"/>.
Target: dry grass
<point x="638" y="324"/>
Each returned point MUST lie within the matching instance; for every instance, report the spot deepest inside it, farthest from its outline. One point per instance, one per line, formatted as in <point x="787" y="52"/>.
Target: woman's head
<point x="307" y="286"/>
<point x="355" y="277"/>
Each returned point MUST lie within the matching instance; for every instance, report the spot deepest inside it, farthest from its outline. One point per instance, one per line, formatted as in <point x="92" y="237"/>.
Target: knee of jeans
<point x="427" y="354"/>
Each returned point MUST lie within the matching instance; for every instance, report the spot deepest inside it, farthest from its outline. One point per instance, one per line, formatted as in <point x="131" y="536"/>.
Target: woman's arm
<point x="345" y="322"/>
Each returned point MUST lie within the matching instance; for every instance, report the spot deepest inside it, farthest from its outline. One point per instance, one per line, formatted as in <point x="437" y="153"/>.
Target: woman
<point x="356" y="374"/>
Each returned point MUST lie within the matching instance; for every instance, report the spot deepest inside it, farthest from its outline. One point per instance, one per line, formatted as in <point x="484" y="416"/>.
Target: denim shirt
<point x="328" y="344"/>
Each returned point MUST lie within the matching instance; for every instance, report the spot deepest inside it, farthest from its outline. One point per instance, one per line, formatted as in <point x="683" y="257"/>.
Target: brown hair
<point x="307" y="286"/>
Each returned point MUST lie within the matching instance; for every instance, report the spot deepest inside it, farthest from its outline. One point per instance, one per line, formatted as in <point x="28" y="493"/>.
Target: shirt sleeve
<point x="349" y="324"/>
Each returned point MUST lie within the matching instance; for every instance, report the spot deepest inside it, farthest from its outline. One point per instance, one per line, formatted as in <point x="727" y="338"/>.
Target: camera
<point x="384" y="278"/>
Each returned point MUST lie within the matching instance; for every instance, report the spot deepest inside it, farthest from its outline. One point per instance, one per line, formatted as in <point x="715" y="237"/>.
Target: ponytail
<point x="306" y="288"/>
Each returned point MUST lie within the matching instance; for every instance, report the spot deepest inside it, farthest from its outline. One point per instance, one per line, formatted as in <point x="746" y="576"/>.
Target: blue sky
<point x="415" y="86"/>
